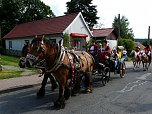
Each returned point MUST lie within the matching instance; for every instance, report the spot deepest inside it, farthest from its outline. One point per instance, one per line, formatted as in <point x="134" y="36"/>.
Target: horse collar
<point x="59" y="59"/>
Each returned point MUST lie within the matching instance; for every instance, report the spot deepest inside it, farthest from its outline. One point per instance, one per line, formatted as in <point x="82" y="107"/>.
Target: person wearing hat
<point x="148" y="51"/>
<point x="137" y="52"/>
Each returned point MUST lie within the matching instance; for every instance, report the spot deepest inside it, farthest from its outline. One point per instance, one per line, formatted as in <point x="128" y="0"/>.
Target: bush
<point x="66" y="41"/>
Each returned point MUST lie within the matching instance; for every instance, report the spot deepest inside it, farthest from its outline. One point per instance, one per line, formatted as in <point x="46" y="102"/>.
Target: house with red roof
<point x="53" y="28"/>
<point x="109" y="34"/>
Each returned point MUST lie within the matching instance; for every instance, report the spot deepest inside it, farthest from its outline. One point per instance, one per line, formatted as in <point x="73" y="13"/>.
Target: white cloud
<point x="136" y="11"/>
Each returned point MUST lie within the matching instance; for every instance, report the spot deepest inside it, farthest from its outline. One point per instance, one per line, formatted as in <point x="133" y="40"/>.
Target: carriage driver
<point x="138" y="52"/>
<point x="148" y="51"/>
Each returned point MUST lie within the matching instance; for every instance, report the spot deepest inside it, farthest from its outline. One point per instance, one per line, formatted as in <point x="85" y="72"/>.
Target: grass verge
<point x="5" y="74"/>
<point x="9" y="60"/>
<point x="13" y="71"/>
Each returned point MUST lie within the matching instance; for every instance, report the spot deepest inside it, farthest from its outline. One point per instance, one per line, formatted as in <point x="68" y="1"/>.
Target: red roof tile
<point x="45" y="26"/>
<point x="102" y="32"/>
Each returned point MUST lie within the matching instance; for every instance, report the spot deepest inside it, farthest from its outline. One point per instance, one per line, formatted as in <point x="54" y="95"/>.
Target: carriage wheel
<point x="122" y="69"/>
<point x="103" y="79"/>
<point x="105" y="76"/>
<point x="107" y="73"/>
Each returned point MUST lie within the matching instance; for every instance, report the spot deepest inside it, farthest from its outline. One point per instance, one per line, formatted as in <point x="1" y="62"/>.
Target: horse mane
<point x="46" y="40"/>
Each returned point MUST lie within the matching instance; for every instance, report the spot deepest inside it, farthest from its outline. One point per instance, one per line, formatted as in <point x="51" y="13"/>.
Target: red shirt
<point x="147" y="50"/>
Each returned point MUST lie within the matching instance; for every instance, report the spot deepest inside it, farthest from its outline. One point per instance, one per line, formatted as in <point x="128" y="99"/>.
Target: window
<point x="53" y="40"/>
<point x="10" y="44"/>
<point x="77" y="44"/>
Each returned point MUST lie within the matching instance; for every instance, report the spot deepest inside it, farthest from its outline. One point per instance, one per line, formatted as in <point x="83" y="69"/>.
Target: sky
<point x="138" y="13"/>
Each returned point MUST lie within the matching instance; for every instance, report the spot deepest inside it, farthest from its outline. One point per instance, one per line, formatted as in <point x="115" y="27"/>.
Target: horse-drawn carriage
<point x="107" y="64"/>
<point x="62" y="65"/>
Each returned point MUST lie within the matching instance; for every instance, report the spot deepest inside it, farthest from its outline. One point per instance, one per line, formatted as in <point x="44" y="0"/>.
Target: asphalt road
<point x="130" y="95"/>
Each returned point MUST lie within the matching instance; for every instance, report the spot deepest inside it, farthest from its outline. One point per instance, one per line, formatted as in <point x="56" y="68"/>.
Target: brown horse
<point x="145" y="61"/>
<point x="60" y="63"/>
<point x="135" y="59"/>
<point x="23" y="63"/>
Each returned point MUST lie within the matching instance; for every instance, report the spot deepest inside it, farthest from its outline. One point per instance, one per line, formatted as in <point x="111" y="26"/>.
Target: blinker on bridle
<point x="42" y="48"/>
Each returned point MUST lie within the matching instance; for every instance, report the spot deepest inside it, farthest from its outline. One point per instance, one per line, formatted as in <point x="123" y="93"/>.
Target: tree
<point x="88" y="10"/>
<point x="66" y="42"/>
<point x="127" y="43"/>
<point x="35" y="10"/>
<point x="14" y="12"/>
<point x="125" y="31"/>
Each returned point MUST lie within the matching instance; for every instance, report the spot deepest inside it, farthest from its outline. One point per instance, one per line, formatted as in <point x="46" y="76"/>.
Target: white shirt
<point x="124" y="52"/>
<point x="92" y="48"/>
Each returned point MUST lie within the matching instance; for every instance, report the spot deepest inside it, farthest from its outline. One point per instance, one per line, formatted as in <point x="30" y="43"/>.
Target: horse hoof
<point x="41" y="93"/>
<point x="59" y="105"/>
<point x="88" y="90"/>
<point x="67" y="94"/>
<point x="54" y="86"/>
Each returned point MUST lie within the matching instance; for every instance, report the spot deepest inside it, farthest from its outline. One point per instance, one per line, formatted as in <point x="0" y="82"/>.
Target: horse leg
<point x="53" y="82"/>
<point x="41" y="91"/>
<point x="60" y="103"/>
<point x="134" y="64"/>
<point x="139" y="63"/>
<point x="76" y="88"/>
<point x="144" y="66"/>
<point x="89" y="87"/>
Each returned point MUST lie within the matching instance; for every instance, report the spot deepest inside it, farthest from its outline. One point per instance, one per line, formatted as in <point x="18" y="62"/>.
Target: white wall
<point x="17" y="44"/>
<point x="112" y="43"/>
<point x="78" y="26"/>
<point x="58" y="38"/>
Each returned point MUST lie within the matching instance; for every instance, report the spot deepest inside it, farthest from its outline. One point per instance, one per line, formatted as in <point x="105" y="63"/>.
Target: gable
<point x="79" y="26"/>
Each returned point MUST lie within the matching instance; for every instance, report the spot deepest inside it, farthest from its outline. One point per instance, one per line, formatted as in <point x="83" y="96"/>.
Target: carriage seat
<point x="100" y="65"/>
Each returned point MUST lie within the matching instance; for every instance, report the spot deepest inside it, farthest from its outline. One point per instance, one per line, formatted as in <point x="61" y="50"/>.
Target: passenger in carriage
<point x="106" y="48"/>
<point x="93" y="49"/>
<point x="105" y="53"/>
<point x="114" y="56"/>
<point x="100" y="49"/>
<point x="138" y="52"/>
<point x="148" y="51"/>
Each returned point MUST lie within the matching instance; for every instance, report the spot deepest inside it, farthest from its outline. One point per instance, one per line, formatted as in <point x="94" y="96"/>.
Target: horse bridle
<point x="42" y="63"/>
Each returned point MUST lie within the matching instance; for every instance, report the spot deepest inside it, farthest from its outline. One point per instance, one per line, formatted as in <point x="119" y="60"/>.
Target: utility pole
<point x="118" y="26"/>
<point x="148" y="35"/>
<point x="118" y="29"/>
<point x="0" y="36"/>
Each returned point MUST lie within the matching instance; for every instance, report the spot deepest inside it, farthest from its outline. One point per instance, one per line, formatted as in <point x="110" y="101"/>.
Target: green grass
<point x="9" y="60"/>
<point x="11" y="73"/>
<point x="5" y="74"/>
